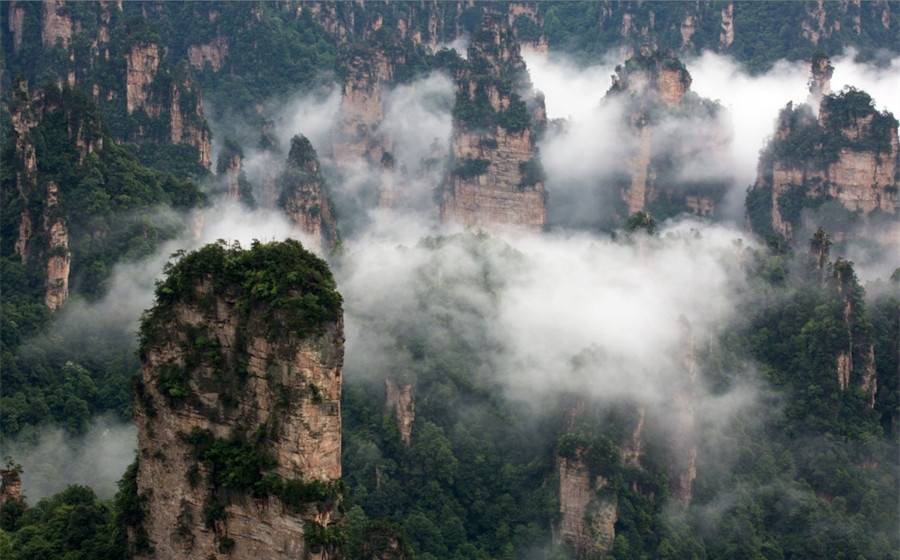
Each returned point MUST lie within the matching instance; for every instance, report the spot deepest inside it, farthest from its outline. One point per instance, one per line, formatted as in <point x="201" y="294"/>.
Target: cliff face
<point x="855" y="363"/>
<point x="587" y="519"/>
<point x="84" y="45"/>
<point x="230" y="168"/>
<point x="59" y="260"/>
<point x="304" y="195"/>
<point x="847" y="156"/>
<point x="238" y="408"/>
<point x="43" y="235"/>
<point x="213" y="53"/>
<point x="10" y="484"/>
<point x="141" y="64"/>
<point x="362" y="107"/>
<point x="495" y="175"/>
<point x="654" y="90"/>
<point x="400" y="402"/>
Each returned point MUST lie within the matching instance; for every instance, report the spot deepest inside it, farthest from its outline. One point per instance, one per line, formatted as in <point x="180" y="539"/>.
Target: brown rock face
<point x="10" y="484"/>
<point x="857" y="168"/>
<point x="42" y="234"/>
<point x="213" y="53"/>
<point x="855" y="364"/>
<point x="495" y="176"/>
<point x="726" y="36"/>
<point x="362" y="108"/>
<point x="821" y="72"/>
<point x="304" y="195"/>
<point x="496" y="196"/>
<point x="655" y="90"/>
<point x="57" y="25"/>
<point x="16" y="23"/>
<point x="232" y="176"/>
<point x="194" y="133"/>
<point x="399" y="400"/>
<point x="59" y="260"/>
<point x="212" y="378"/>
<point x="142" y="62"/>
<point x="587" y="519"/>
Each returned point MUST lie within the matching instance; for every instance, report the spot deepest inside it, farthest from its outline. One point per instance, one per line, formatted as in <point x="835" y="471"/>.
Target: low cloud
<point x="53" y="459"/>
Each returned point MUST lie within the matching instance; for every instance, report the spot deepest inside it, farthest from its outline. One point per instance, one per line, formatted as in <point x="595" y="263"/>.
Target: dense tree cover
<point x="115" y="211"/>
<point x="98" y="67"/>
<point x="72" y="524"/>
<point x="808" y="472"/>
<point x="292" y="287"/>
<point x="763" y="32"/>
<point x="818" y="142"/>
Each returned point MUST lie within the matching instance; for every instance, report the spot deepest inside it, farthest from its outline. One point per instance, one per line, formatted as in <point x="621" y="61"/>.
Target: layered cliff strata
<point x="667" y="171"/>
<point x="304" y="194"/>
<point x="238" y="407"/>
<point x="838" y="169"/>
<point x="495" y="175"/>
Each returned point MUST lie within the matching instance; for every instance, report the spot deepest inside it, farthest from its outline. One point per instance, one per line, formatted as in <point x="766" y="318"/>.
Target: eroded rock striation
<point x="837" y="169"/>
<point x="495" y="174"/>
<point x="238" y="407"/>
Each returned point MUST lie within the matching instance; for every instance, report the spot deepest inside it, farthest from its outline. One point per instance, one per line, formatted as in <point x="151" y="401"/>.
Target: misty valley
<point x="447" y="279"/>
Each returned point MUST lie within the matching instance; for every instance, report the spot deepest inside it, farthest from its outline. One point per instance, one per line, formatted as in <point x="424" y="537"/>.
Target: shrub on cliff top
<point x="292" y="287"/>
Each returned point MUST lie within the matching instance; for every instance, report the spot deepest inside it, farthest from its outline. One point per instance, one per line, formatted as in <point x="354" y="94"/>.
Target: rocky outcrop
<point x="855" y="363"/>
<point x="16" y="24"/>
<point x="726" y="35"/>
<point x="400" y="402"/>
<point x="57" y="25"/>
<point x="212" y="53"/>
<point x="587" y="512"/>
<point x="230" y="169"/>
<point x="362" y="107"/>
<point x="190" y="129"/>
<point x="11" y="484"/>
<point x="495" y="176"/>
<point x="42" y="234"/>
<point x="142" y="63"/>
<point x="304" y="194"/>
<point x="59" y="260"/>
<point x="820" y="79"/>
<point x="633" y="449"/>
<point x="846" y="156"/>
<point x="238" y="408"/>
<point x="654" y="89"/>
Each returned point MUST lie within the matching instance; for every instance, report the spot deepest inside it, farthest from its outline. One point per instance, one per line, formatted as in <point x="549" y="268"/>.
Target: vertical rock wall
<point x="223" y="378"/>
